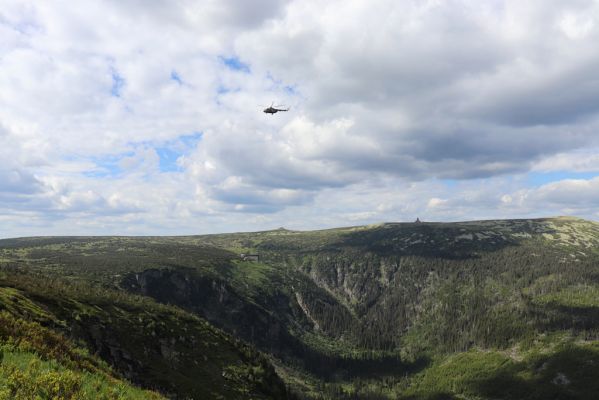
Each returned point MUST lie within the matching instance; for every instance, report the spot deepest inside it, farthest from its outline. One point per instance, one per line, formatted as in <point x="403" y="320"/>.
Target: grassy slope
<point x="36" y="362"/>
<point x="154" y="345"/>
<point x="554" y="367"/>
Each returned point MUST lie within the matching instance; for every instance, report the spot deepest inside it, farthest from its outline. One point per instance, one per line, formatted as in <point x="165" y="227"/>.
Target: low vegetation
<point x="36" y="362"/>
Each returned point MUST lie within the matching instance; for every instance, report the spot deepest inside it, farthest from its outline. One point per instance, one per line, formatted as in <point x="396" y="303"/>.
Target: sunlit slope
<point x="152" y="345"/>
<point x="36" y="362"/>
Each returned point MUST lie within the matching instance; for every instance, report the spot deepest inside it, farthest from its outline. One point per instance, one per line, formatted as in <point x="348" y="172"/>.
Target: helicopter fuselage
<point x="272" y="110"/>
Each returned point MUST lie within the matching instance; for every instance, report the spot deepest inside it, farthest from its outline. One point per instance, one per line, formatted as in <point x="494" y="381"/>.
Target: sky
<point x="136" y="117"/>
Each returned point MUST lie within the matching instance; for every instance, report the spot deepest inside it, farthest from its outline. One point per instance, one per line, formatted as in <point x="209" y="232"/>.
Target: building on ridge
<point x="249" y="257"/>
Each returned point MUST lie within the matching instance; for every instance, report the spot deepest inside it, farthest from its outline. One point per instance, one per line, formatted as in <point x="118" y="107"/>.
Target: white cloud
<point x="506" y="199"/>
<point x="397" y="108"/>
<point x="586" y="160"/>
<point x="576" y="26"/>
<point x="436" y="202"/>
<point x="570" y="193"/>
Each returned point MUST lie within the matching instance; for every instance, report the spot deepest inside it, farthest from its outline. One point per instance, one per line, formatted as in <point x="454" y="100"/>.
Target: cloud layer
<point x="145" y="117"/>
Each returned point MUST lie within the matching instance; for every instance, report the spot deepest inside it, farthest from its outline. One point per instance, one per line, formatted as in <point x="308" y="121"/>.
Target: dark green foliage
<point x="156" y="346"/>
<point x="36" y="362"/>
<point x="564" y="373"/>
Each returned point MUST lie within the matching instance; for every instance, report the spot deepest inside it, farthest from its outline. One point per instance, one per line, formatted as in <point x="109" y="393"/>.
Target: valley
<point x="469" y="310"/>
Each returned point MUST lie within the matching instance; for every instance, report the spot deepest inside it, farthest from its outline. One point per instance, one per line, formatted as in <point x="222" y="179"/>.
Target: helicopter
<point x="273" y="109"/>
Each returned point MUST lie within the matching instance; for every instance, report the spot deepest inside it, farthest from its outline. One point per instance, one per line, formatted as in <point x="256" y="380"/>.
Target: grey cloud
<point x="274" y="172"/>
<point x="453" y="72"/>
<point x="245" y="198"/>
<point x="252" y="14"/>
<point x="463" y="151"/>
<point x="474" y="149"/>
<point x="445" y="72"/>
<point x="217" y="14"/>
<point x="567" y="193"/>
<point x="410" y="67"/>
<point x="381" y="57"/>
<point x="20" y="182"/>
<point x="565" y="98"/>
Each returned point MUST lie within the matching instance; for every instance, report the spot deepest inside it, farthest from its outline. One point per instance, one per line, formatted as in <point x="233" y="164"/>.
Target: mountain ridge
<point x="360" y="312"/>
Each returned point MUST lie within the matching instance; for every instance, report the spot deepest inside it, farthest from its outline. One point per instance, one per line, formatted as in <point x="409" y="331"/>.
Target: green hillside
<point x="153" y="346"/>
<point x="473" y="310"/>
<point x="36" y="362"/>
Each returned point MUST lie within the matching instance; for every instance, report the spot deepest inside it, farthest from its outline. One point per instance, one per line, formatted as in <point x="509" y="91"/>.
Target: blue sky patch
<point x="176" y="77"/>
<point x="235" y="64"/>
<point x="118" y="82"/>
<point x="191" y="139"/>
<point x="542" y="178"/>
<point x="168" y="159"/>
<point x="279" y="85"/>
<point x="271" y="78"/>
<point x="107" y="166"/>
<point x="224" y="90"/>
<point x="169" y="152"/>
<point x="449" y="182"/>
<point x="290" y="89"/>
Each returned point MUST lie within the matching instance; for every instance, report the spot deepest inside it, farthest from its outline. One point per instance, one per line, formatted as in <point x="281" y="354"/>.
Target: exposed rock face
<point x="306" y="311"/>
<point x="266" y="323"/>
<point x="216" y="301"/>
<point x="150" y="349"/>
<point x="561" y="379"/>
<point x="114" y="343"/>
<point x="107" y="345"/>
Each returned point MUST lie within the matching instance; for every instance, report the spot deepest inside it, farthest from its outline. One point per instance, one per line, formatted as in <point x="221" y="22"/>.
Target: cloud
<point x="438" y="90"/>
<point x="436" y="202"/>
<point x="585" y="160"/>
<point x="570" y="193"/>
<point x="437" y="108"/>
<point x="18" y="182"/>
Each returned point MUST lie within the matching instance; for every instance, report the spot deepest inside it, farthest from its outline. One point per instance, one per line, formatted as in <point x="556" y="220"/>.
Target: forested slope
<point x="147" y="344"/>
<point x="482" y="309"/>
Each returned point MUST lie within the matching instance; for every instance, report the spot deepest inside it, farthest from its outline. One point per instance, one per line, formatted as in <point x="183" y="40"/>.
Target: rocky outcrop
<point x="210" y="297"/>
